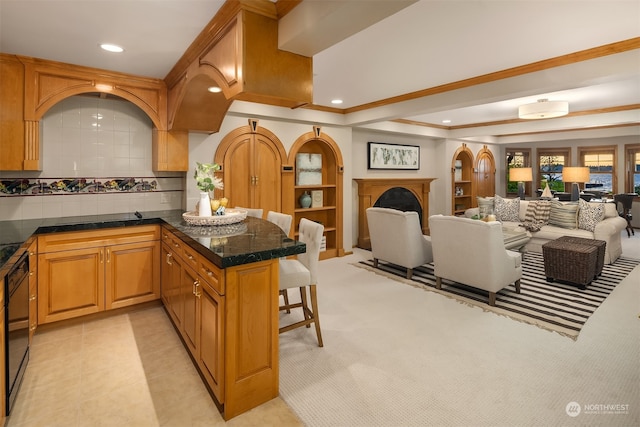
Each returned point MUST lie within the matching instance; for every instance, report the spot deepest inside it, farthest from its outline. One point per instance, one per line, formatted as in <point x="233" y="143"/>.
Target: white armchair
<point x="472" y="252"/>
<point x="396" y="237"/>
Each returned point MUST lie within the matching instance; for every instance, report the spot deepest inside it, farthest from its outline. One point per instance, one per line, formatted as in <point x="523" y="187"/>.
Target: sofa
<point x="584" y="223"/>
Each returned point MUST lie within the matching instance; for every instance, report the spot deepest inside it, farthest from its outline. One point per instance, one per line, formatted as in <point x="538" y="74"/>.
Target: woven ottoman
<point x="570" y="261"/>
<point x="600" y="244"/>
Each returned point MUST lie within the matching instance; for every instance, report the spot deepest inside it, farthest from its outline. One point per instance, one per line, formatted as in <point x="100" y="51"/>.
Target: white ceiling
<point x="411" y="46"/>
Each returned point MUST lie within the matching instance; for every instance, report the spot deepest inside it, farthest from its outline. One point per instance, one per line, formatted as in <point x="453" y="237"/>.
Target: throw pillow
<point x="564" y="215"/>
<point x="537" y="215"/>
<point x="507" y="209"/>
<point x="589" y="215"/>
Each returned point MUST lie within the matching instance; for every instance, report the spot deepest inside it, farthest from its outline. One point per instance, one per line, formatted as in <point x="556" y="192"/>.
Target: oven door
<point x="16" y="328"/>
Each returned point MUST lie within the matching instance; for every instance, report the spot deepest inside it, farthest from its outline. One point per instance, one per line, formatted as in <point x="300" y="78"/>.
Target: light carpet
<point x="397" y="356"/>
<point x="559" y="307"/>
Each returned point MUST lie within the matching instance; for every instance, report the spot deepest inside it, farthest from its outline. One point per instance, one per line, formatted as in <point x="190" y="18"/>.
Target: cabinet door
<point x="166" y="265"/>
<point x="11" y="113"/>
<point x="176" y="306"/>
<point x="70" y="284"/>
<point x="190" y="289"/>
<point x="211" y="355"/>
<point x="133" y="273"/>
<point x="237" y="173"/>
<point x="266" y="191"/>
<point x="33" y="289"/>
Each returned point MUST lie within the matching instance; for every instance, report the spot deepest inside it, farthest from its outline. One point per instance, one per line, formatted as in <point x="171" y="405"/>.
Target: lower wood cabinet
<point x="33" y="288"/>
<point x="228" y="320"/>
<point x="86" y="272"/>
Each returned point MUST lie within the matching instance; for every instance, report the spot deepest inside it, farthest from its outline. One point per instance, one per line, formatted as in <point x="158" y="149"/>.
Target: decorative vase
<point x="204" y="207"/>
<point x="305" y="200"/>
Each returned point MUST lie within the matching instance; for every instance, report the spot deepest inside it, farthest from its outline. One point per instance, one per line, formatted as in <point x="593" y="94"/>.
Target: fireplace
<point x="395" y="193"/>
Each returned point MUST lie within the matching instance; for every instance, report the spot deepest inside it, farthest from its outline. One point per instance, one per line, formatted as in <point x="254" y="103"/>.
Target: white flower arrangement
<point x="205" y="179"/>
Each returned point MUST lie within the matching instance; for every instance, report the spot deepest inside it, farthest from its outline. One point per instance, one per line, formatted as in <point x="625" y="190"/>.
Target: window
<point x="550" y="164"/>
<point x="518" y="158"/>
<point x="632" y="169"/>
<point x="601" y="162"/>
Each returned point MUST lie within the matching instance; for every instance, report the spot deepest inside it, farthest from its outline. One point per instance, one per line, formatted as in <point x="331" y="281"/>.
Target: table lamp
<point x="521" y="175"/>
<point x="575" y="175"/>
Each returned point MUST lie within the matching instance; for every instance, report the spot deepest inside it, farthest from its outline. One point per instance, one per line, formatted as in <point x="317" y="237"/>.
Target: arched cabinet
<point x="252" y="160"/>
<point x="324" y="184"/>
<point x="462" y="181"/>
<point x="485" y="173"/>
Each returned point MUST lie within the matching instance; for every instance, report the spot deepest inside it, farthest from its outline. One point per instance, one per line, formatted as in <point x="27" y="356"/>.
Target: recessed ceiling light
<point x="336" y="101"/>
<point x="111" y="47"/>
<point x="446" y="121"/>
<point x="214" y="89"/>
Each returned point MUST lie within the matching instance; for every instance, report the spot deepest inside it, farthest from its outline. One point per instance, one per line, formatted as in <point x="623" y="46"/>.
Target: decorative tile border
<point x="40" y="187"/>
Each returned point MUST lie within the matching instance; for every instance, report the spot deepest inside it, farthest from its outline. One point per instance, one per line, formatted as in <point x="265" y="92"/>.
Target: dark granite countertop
<point x="251" y="240"/>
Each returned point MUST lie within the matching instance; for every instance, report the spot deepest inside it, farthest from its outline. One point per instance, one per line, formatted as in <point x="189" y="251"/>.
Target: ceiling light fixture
<point x="446" y="121"/>
<point x="543" y="109"/>
<point x="214" y="89"/>
<point x="336" y="101"/>
<point x="111" y="47"/>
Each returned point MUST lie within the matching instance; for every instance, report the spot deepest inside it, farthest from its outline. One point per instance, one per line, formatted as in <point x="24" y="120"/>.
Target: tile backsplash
<point x="96" y="159"/>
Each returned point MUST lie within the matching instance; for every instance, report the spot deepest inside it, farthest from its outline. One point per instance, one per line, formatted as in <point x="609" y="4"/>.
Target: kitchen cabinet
<point x="170" y="150"/>
<point x="33" y="288"/>
<point x="12" y="142"/>
<point x="229" y="324"/>
<point x="3" y="373"/>
<point x="462" y="182"/>
<point x="85" y="272"/>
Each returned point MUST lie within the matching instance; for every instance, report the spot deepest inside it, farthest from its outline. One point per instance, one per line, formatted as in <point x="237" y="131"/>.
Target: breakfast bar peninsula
<point x="218" y="284"/>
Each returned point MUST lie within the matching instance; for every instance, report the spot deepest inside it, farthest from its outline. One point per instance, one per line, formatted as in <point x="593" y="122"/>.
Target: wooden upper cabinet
<point x="12" y="142"/>
<point x="237" y="52"/>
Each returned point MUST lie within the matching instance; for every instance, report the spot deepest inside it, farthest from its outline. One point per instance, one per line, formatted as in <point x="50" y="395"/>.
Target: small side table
<point x="571" y="259"/>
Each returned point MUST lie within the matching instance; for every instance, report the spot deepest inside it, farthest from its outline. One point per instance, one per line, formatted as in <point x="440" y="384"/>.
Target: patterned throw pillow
<point x="589" y="215"/>
<point x="507" y="209"/>
<point x="564" y="215"/>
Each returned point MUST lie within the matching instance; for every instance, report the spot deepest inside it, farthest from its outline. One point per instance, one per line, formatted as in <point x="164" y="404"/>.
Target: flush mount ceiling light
<point x="543" y="109"/>
<point x="111" y="47"/>
<point x="214" y="89"/>
<point x="336" y="101"/>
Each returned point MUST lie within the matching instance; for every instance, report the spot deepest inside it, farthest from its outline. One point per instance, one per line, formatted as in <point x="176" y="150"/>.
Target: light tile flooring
<point x="130" y="369"/>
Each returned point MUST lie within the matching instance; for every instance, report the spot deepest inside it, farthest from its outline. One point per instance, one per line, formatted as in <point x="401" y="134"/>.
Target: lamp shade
<point x="543" y="109"/>
<point x="575" y="174"/>
<point x="520" y="175"/>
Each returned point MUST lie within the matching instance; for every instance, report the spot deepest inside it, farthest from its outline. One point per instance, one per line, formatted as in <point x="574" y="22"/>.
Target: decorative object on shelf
<point x="459" y="191"/>
<point x="231" y="216"/>
<point x="316" y="198"/>
<point x="458" y="171"/>
<point x="207" y="182"/>
<point x="393" y="156"/>
<point x="308" y="169"/>
<point x="305" y="200"/>
<point x="520" y="175"/>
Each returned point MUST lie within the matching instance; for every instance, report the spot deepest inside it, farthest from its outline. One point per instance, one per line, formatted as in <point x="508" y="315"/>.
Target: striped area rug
<point x="555" y="306"/>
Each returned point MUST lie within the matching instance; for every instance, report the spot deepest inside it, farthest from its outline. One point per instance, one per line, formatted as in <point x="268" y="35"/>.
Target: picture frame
<point x="393" y="156"/>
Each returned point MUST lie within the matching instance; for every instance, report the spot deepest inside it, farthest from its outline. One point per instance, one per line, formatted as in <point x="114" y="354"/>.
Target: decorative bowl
<point x="231" y="216"/>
